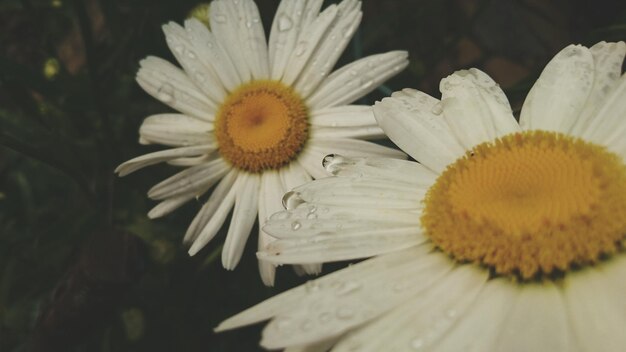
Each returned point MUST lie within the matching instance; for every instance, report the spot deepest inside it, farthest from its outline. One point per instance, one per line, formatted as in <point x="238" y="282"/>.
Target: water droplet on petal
<point x="325" y="317"/>
<point x="166" y="93"/>
<point x="284" y="22"/>
<point x="311" y="216"/>
<point x="333" y="163"/>
<point x="283" y="215"/>
<point x="300" y="48"/>
<point x="296" y="225"/>
<point x="417" y="343"/>
<point x="311" y="286"/>
<point x="345" y="313"/>
<point x="348" y="287"/>
<point x="437" y="109"/>
<point x="291" y="200"/>
<point x="219" y="18"/>
<point x="191" y="54"/>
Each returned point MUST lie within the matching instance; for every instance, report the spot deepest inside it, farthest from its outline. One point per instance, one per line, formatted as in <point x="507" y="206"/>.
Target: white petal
<point x="413" y="121"/>
<point x="171" y="86"/>
<point x="223" y="193"/>
<point x="315" y="219"/>
<point x="202" y="75"/>
<point x="536" y="322"/>
<point x="596" y="323"/>
<point x="423" y="319"/>
<point x="252" y="39"/>
<point x="161" y="156"/>
<point x="356" y="79"/>
<point x="556" y="100"/>
<point x="346" y="245"/>
<point x="170" y="204"/>
<point x="477" y="330"/>
<point x="475" y="108"/>
<point x="307" y="42"/>
<point x="330" y="47"/>
<point x="608" y="126"/>
<point x="343" y="116"/>
<point x="331" y="311"/>
<point x="311" y="161"/>
<point x="390" y="170"/>
<point x="270" y="197"/>
<point x="284" y="34"/>
<point x="362" y="132"/>
<point x="191" y="181"/>
<point x="368" y="288"/>
<point x="193" y="161"/>
<point x="176" y="130"/>
<point x="353" y="148"/>
<point x="212" y="54"/>
<point x="225" y="22"/>
<point x="362" y="192"/>
<point x="244" y="215"/>
<point x="293" y="176"/>
<point x="607" y="59"/>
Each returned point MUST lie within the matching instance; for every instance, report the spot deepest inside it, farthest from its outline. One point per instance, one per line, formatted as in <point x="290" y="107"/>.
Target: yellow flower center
<point x="261" y="125"/>
<point x="529" y="205"/>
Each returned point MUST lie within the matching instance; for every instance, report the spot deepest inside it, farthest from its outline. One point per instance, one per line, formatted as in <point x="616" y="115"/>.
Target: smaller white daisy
<point x="255" y="120"/>
<point x="504" y="237"/>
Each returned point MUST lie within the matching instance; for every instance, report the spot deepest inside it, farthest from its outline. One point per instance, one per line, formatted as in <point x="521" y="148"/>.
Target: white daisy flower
<point x="255" y="120"/>
<point x="504" y="237"/>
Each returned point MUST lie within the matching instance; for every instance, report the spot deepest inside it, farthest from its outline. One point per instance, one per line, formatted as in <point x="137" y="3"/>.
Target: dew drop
<point x="437" y="109"/>
<point x="191" y="55"/>
<point x="284" y="22"/>
<point x="417" y="343"/>
<point x="311" y="216"/>
<point x="345" y="313"/>
<point x="347" y="288"/>
<point x="284" y="324"/>
<point x="200" y="77"/>
<point x="283" y="215"/>
<point x="166" y="93"/>
<point x="333" y="163"/>
<point x="291" y="200"/>
<point x="219" y="18"/>
<point x="300" y="49"/>
<point x="311" y="286"/>
<point x="248" y="24"/>
<point x="325" y="317"/>
<point x="296" y="225"/>
<point x="179" y="49"/>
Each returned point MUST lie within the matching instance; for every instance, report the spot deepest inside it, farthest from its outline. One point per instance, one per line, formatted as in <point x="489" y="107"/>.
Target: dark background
<point x="81" y="266"/>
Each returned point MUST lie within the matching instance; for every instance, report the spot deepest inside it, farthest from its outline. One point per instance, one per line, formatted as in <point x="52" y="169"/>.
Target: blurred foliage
<point x="81" y="267"/>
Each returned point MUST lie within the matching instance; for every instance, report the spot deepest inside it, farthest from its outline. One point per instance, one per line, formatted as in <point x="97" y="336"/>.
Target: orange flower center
<point x="261" y="125"/>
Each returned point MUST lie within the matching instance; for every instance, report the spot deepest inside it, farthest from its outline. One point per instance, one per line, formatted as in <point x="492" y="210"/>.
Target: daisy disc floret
<point x="503" y="236"/>
<point x="255" y="116"/>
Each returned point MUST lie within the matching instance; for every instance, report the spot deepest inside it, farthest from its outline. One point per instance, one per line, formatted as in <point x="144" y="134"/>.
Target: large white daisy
<point x="254" y="120"/>
<point x="504" y="237"/>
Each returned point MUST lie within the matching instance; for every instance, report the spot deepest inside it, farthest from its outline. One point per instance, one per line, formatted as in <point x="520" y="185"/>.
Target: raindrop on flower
<point x="284" y="22"/>
<point x="166" y="93"/>
<point x="345" y="313"/>
<point x="291" y="200"/>
<point x="417" y="343"/>
<point x="219" y="18"/>
<point x="437" y="109"/>
<point x="347" y="288"/>
<point x="296" y="225"/>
